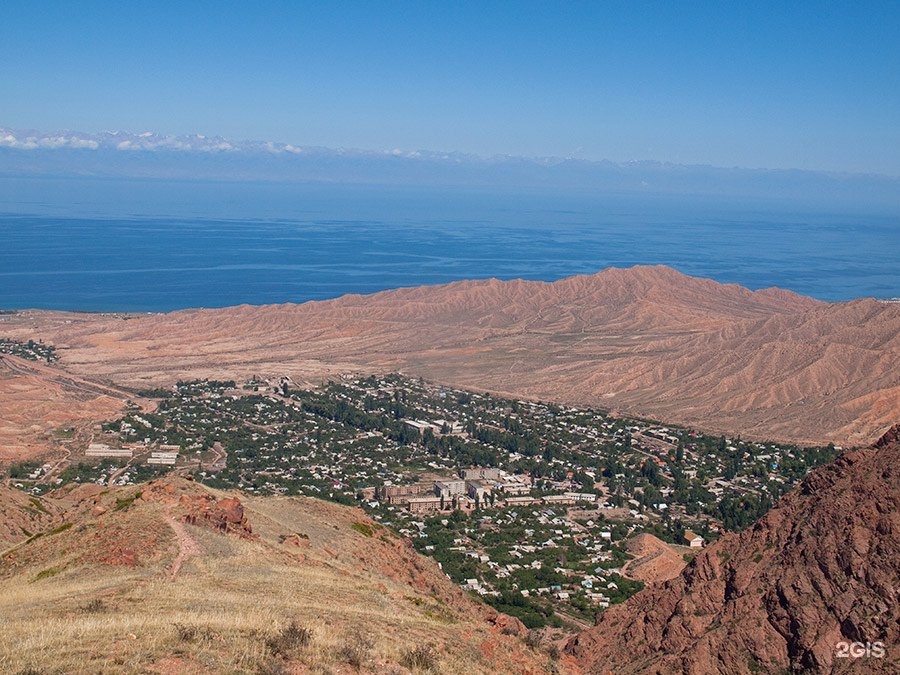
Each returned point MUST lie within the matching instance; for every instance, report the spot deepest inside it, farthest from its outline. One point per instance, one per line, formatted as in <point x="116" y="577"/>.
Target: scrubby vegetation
<point x="364" y="529"/>
<point x="289" y="639"/>
<point x="421" y="659"/>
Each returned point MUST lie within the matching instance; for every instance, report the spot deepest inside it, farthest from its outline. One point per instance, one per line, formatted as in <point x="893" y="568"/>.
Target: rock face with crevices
<point x="821" y="568"/>
<point x="194" y="505"/>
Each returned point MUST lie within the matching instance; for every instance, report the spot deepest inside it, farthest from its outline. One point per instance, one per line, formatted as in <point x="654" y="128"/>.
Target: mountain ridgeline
<point x="197" y="157"/>
<point x="648" y="341"/>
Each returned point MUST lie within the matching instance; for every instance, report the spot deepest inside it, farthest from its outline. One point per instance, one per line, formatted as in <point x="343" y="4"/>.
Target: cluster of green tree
<point x="23" y="469"/>
<point x="582" y="607"/>
<point x="625" y="589"/>
<point x="528" y="444"/>
<point x="542" y="577"/>
<point x="197" y="387"/>
<point x="529" y="612"/>
<point x="157" y="431"/>
<point x="455" y="564"/>
<point x="804" y="460"/>
<point x="141" y="473"/>
<point x="691" y="494"/>
<point x="31" y="350"/>
<point x="650" y="471"/>
<point x="461" y="452"/>
<point x="341" y="411"/>
<point x="85" y="472"/>
<point x="739" y="511"/>
<point x="246" y="408"/>
<point x="158" y="392"/>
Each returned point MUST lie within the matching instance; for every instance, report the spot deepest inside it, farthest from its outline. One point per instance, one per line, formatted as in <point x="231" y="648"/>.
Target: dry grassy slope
<point x="820" y="568"/>
<point x="646" y="340"/>
<point x="133" y="586"/>
<point x="22" y="516"/>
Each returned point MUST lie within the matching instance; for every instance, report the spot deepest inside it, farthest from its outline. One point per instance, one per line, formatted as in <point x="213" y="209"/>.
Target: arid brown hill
<point x="171" y="577"/>
<point x="645" y="340"/>
<point x="22" y="516"/>
<point x="820" y="569"/>
<point x="37" y="400"/>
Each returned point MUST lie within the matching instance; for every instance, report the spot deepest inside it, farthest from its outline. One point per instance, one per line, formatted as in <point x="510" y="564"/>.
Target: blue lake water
<point x="96" y="245"/>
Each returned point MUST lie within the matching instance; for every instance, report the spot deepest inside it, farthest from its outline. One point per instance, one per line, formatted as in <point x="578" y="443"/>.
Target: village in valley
<point x="31" y="350"/>
<point x="549" y="512"/>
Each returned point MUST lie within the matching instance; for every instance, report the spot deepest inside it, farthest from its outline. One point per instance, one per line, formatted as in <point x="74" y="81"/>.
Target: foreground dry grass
<point x="241" y="605"/>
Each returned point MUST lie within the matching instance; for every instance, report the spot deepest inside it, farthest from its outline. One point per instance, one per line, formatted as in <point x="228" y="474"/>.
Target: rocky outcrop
<point x="224" y="515"/>
<point x="822" y="568"/>
<point x="196" y="506"/>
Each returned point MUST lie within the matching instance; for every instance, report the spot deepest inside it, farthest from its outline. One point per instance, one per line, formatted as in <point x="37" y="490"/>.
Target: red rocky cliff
<point x="820" y="569"/>
<point x="196" y="506"/>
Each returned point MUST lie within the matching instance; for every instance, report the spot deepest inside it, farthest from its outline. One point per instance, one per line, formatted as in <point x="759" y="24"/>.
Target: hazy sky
<point x="811" y="85"/>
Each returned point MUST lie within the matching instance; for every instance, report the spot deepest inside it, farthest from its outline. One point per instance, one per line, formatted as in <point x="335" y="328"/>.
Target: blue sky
<point x="812" y="85"/>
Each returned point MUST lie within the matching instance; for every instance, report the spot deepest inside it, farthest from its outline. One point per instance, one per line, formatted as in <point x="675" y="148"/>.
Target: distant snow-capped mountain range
<point x="118" y="154"/>
<point x="149" y="141"/>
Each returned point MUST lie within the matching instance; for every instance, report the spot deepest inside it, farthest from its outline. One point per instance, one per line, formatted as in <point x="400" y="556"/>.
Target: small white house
<point x="693" y="539"/>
